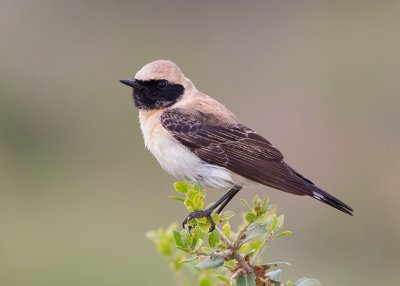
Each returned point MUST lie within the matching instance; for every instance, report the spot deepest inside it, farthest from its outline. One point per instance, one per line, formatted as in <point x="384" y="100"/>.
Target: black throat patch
<point x="156" y="94"/>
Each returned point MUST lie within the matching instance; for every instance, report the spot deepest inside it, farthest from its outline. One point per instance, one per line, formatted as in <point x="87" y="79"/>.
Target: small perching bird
<point x="196" y="138"/>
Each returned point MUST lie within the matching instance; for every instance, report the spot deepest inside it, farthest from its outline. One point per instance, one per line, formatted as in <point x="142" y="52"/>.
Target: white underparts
<point x="182" y="163"/>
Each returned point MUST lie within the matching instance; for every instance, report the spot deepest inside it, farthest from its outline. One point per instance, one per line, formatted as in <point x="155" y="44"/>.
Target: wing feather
<point x="241" y="150"/>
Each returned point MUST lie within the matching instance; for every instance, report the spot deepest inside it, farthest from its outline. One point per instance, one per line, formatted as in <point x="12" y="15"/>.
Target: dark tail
<point x="319" y="194"/>
<point x="327" y="198"/>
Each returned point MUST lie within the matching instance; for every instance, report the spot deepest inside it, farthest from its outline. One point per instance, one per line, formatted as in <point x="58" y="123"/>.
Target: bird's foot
<point x="199" y="214"/>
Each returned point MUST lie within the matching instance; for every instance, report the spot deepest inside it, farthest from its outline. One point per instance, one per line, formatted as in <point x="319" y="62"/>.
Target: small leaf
<point x="256" y="202"/>
<point x="226" y="229"/>
<point x="216" y="218"/>
<point x="248" y="280"/>
<point x="191" y="194"/>
<point x="288" y="283"/>
<point x="250" y="217"/>
<point x="265" y="204"/>
<point x="281" y="219"/>
<point x="188" y="259"/>
<point x="211" y="263"/>
<point x="198" y="201"/>
<point x="178" y="239"/>
<point x="243" y="248"/>
<point x="223" y="279"/>
<point x="250" y="253"/>
<point x="181" y="187"/>
<point x="283" y="233"/>
<point x="201" y="220"/>
<point x="176" y="198"/>
<point x="203" y="227"/>
<point x="245" y="204"/>
<point x="189" y="205"/>
<point x="258" y="230"/>
<point x="274" y="223"/>
<point x="213" y="238"/>
<point x="197" y="246"/>
<point x="198" y="233"/>
<point x="274" y="275"/>
<point x="230" y="263"/>
<point x="307" y="282"/>
<point x="177" y="264"/>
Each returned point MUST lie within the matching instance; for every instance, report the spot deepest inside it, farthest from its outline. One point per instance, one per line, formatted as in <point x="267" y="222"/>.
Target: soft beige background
<point x="320" y="79"/>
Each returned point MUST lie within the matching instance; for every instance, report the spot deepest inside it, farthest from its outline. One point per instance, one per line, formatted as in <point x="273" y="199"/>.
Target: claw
<point x="198" y="214"/>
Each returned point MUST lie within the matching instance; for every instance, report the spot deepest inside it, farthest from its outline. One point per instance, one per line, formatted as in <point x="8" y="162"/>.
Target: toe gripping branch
<point x="220" y="204"/>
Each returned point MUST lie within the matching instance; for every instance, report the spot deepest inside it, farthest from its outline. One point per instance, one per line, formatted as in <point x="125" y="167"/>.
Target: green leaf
<point x="176" y="198"/>
<point x="230" y="263"/>
<point x="198" y="201"/>
<point x="181" y="187"/>
<point x="196" y="188"/>
<point x="274" y="223"/>
<point x="258" y="230"/>
<point x="256" y="202"/>
<point x="198" y="233"/>
<point x="283" y="233"/>
<point x="177" y="264"/>
<point x="191" y="194"/>
<point x="274" y="275"/>
<point x="199" y="243"/>
<point x="288" y="283"/>
<point x="228" y="214"/>
<point x="281" y="219"/>
<point x="223" y="279"/>
<point x="243" y="248"/>
<point x="211" y="263"/>
<point x="203" y="227"/>
<point x="226" y="229"/>
<point x="248" y="280"/>
<point x="178" y="239"/>
<point x="250" y="217"/>
<point x="216" y="218"/>
<point x="201" y="220"/>
<point x="250" y="253"/>
<point x="213" y="238"/>
<point x="188" y="259"/>
<point x="189" y="205"/>
<point x="265" y="203"/>
<point x="245" y="204"/>
<point x="307" y="282"/>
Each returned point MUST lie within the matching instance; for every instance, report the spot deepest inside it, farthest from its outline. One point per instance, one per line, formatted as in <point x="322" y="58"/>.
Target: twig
<point x="240" y="234"/>
<point x="224" y="239"/>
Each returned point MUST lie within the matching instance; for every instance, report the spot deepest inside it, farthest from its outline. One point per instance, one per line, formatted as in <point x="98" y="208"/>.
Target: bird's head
<point x="159" y="84"/>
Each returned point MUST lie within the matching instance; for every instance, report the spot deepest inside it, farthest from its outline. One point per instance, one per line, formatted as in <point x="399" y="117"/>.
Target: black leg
<point x="223" y="201"/>
<point x="234" y="190"/>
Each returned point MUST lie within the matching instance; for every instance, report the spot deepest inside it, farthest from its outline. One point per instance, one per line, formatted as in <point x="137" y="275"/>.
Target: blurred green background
<point x="78" y="190"/>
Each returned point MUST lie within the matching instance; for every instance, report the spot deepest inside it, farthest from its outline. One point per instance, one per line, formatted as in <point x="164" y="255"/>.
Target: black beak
<point x="131" y="82"/>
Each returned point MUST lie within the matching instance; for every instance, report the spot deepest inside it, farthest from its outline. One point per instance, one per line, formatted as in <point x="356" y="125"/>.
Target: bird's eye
<point x="162" y="83"/>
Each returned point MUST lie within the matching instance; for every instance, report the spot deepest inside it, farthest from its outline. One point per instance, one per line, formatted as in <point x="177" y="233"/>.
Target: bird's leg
<point x="222" y="202"/>
<point x="235" y="190"/>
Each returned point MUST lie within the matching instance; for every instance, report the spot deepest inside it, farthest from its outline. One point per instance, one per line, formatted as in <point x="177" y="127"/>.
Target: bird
<point x="196" y="138"/>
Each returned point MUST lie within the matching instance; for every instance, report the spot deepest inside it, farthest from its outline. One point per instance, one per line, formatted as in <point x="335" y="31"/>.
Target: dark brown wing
<point x="242" y="151"/>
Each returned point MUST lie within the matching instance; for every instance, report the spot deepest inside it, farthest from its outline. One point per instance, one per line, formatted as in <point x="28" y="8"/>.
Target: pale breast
<point x="176" y="159"/>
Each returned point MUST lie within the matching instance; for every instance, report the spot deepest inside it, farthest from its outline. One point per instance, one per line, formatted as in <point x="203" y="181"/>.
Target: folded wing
<point x="241" y="150"/>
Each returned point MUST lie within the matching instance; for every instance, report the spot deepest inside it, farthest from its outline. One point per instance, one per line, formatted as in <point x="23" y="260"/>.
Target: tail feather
<point x="331" y="200"/>
<point x="312" y="190"/>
